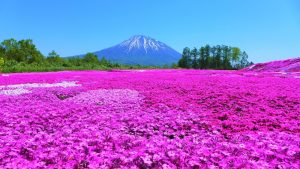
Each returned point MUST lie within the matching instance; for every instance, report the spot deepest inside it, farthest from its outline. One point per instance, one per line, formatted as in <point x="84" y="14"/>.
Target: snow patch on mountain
<point x="143" y="42"/>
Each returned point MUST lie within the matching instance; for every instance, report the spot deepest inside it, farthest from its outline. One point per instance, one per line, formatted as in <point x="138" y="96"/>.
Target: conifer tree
<point x="194" y="57"/>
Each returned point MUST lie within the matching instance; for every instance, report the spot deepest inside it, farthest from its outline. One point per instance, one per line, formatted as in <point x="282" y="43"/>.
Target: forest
<point x="214" y="57"/>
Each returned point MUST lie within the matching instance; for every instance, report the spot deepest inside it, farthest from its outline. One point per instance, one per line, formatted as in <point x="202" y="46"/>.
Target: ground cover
<point x="150" y="119"/>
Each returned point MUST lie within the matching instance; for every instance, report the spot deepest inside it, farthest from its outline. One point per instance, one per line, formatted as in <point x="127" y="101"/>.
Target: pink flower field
<point x="150" y="119"/>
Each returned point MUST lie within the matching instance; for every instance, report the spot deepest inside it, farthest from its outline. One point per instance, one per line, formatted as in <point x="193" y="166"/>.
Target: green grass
<point x="22" y="67"/>
<point x="38" y="68"/>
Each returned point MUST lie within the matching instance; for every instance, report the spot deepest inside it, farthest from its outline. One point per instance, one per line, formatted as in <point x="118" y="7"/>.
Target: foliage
<point x="105" y="62"/>
<point x="214" y="57"/>
<point x="54" y="58"/>
<point x="21" y="51"/>
<point x="90" y="58"/>
<point x="174" y="66"/>
<point x="184" y="62"/>
<point x="1" y="63"/>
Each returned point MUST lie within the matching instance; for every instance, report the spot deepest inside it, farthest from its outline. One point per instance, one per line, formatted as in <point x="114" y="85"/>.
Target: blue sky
<point x="265" y="29"/>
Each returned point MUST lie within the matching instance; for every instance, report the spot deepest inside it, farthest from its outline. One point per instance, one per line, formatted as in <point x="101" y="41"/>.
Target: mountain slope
<point x="140" y="50"/>
<point x="289" y="65"/>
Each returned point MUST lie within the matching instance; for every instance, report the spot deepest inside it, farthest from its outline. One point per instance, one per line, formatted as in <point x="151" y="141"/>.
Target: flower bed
<point x="150" y="119"/>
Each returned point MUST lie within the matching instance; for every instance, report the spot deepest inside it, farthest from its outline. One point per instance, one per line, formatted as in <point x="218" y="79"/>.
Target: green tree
<point x="21" y="51"/>
<point x="1" y="64"/>
<point x="2" y="52"/>
<point x="9" y="48"/>
<point x="174" y="66"/>
<point x="75" y="61"/>
<point x="201" y="58"/>
<point x="206" y="57"/>
<point x="181" y="63"/>
<point x="90" y="58"/>
<point x="235" y="56"/>
<point x="53" y="54"/>
<point x="212" y="58"/>
<point x="104" y="62"/>
<point x="244" y="60"/>
<point x="194" y="57"/>
<point x="184" y="62"/>
<point x="218" y="57"/>
<point x="235" y="53"/>
<point x="226" y="57"/>
<point x="53" y="57"/>
<point x="29" y="51"/>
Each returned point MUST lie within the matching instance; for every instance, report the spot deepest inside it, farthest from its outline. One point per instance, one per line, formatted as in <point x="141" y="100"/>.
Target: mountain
<point x="141" y="50"/>
<point x="289" y="65"/>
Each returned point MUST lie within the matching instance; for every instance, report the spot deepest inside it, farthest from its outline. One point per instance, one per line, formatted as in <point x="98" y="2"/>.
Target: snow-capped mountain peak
<point x="144" y="42"/>
<point x="142" y="50"/>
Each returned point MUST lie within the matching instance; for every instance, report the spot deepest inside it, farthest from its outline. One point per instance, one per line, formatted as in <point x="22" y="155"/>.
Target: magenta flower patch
<point x="150" y="119"/>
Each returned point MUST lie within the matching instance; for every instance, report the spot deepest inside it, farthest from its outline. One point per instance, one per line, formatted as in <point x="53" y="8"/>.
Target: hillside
<point x="289" y="65"/>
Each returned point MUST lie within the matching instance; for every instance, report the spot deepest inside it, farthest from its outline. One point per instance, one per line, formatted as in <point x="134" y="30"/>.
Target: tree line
<point x="23" y="56"/>
<point x="214" y="57"/>
<point x="25" y="51"/>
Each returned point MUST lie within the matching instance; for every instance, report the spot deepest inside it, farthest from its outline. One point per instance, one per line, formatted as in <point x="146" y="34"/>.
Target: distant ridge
<point x="142" y="50"/>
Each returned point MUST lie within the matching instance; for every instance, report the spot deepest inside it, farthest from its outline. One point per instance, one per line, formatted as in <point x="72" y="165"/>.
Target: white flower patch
<point x="18" y="89"/>
<point x="283" y="73"/>
<point x="139" y="70"/>
<point x="13" y="92"/>
<point x="5" y="75"/>
<point x="41" y="85"/>
<point x="112" y="97"/>
<point x="251" y="67"/>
